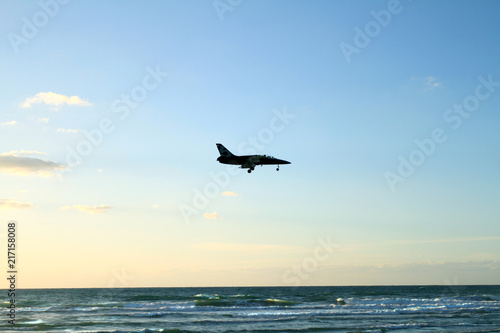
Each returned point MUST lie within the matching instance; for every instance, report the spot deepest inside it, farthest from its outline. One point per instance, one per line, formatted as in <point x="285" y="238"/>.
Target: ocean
<point x="258" y="309"/>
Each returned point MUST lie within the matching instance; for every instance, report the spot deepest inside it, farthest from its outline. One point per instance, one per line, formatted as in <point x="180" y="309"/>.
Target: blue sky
<point x="394" y="146"/>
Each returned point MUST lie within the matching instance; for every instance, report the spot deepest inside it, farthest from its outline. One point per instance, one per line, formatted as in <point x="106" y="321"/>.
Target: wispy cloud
<point x="68" y="130"/>
<point x="427" y="83"/>
<point x="211" y="216"/>
<point x="431" y="82"/>
<point x="446" y="240"/>
<point x="233" y="247"/>
<point x="11" y="204"/>
<point x="89" y="209"/>
<point x="229" y="193"/>
<point x="9" y="123"/>
<point x="16" y="164"/>
<point x="55" y="100"/>
<point x="421" y="273"/>
<point x="23" y="152"/>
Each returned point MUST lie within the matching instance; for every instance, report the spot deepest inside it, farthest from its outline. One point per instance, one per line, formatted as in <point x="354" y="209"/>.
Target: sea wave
<point x="304" y="309"/>
<point x="239" y="301"/>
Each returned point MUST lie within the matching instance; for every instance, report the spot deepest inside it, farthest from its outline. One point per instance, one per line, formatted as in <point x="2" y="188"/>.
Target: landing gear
<point x="249" y="171"/>
<point x="278" y="168"/>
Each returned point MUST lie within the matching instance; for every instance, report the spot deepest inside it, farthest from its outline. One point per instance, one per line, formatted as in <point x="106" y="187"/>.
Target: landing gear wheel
<point x="278" y="168"/>
<point x="249" y="171"/>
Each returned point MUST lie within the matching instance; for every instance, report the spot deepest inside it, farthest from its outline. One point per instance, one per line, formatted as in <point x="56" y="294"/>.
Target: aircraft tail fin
<point x="223" y="151"/>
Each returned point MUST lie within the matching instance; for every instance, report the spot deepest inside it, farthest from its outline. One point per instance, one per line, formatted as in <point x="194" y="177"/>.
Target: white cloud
<point x="55" y="100"/>
<point x="90" y="209"/>
<point x="69" y="130"/>
<point x="431" y="82"/>
<point x="43" y="120"/>
<point x="427" y="83"/>
<point x="23" y="152"/>
<point x="9" y="123"/>
<point x="11" y="204"/>
<point x="229" y="193"/>
<point x="13" y="163"/>
<point x="211" y="216"/>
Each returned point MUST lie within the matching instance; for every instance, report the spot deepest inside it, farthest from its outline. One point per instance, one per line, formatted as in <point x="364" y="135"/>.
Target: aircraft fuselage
<point x="247" y="161"/>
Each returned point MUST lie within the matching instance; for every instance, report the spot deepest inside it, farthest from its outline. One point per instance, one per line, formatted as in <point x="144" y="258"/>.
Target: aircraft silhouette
<point x="247" y="161"/>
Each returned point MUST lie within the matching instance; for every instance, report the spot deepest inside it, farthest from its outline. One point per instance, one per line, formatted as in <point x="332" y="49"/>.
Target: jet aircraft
<point x="247" y="161"/>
